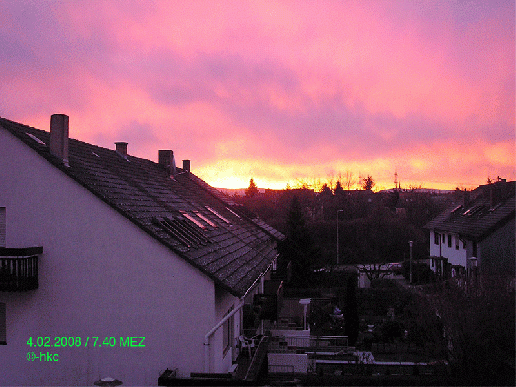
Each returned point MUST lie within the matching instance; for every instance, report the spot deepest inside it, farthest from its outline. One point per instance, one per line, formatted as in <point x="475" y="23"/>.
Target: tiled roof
<point x="196" y="221"/>
<point x="481" y="217"/>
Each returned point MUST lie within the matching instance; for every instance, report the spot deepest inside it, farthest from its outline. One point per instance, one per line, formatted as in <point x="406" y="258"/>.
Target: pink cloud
<point x="307" y="87"/>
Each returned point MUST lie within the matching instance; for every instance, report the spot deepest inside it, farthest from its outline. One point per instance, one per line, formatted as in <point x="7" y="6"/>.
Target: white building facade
<point x="476" y="236"/>
<point x="111" y="299"/>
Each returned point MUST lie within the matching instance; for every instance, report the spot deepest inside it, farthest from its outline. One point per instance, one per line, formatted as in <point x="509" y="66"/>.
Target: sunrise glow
<point x="281" y="92"/>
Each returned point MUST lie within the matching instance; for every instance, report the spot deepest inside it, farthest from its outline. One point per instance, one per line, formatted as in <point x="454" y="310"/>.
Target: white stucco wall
<point x="221" y="360"/>
<point x="455" y="257"/>
<point x="99" y="276"/>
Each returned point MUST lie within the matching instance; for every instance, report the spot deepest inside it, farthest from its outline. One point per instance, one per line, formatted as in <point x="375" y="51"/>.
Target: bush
<point x="383" y="283"/>
<point x="421" y="273"/>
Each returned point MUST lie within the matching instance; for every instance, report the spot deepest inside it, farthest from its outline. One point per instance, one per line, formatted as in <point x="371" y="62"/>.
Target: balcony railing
<point x="310" y="344"/>
<point x="19" y="268"/>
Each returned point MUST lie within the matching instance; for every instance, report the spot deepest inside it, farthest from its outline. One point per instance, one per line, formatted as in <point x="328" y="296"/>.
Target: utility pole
<point x="410" y="243"/>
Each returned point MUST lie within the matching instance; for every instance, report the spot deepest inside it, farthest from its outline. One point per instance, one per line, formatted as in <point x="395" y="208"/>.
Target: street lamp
<point x="411" y="243"/>
<point x="338" y="235"/>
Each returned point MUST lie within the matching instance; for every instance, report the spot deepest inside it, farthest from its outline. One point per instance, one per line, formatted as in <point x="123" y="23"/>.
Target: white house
<point x="477" y="235"/>
<point x="112" y="265"/>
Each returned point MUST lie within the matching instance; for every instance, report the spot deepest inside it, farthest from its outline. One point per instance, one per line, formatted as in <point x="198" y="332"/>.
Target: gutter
<point x="259" y="278"/>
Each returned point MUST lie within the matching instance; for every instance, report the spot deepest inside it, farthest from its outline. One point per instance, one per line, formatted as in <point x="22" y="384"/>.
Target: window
<point x="464" y="245"/>
<point x="437" y="238"/>
<point x="35" y="139"/>
<point x="192" y="219"/>
<point x="182" y="230"/>
<point x="449" y="240"/>
<point x="456" y="243"/>
<point x="3" y="325"/>
<point x="2" y="227"/>
<point x="227" y="332"/>
<point x="233" y="212"/>
<point x="205" y="219"/>
<point x="217" y="214"/>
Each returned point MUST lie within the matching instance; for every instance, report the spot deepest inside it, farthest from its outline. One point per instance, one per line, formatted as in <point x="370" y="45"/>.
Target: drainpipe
<point x="212" y="331"/>
<point x="219" y="324"/>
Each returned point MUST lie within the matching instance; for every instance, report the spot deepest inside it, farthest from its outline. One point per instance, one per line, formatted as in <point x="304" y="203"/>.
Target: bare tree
<point x="374" y="271"/>
<point x="349" y="180"/>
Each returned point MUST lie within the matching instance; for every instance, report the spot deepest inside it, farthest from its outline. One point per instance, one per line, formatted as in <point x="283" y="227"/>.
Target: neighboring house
<point x="476" y="236"/>
<point x="98" y="245"/>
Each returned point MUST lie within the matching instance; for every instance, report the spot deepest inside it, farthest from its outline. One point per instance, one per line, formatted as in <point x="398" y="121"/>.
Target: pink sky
<point x="281" y="92"/>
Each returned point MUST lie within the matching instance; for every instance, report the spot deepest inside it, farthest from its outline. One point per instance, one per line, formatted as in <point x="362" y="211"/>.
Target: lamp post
<point x="338" y="235"/>
<point x="411" y="243"/>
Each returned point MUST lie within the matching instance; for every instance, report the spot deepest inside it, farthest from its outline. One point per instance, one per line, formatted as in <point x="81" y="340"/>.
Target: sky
<point x="286" y="92"/>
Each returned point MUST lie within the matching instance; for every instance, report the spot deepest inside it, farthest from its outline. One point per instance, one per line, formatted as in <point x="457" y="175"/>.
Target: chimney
<point x="167" y="161"/>
<point x="121" y="148"/>
<point x="59" y="125"/>
<point x="466" y="199"/>
<point x="497" y="192"/>
<point x="186" y="166"/>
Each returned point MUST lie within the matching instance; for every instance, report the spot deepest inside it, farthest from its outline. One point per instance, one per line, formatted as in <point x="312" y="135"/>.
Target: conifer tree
<point x="252" y="190"/>
<point x="298" y="247"/>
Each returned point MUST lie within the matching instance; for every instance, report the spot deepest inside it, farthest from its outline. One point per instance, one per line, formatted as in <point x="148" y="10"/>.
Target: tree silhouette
<point x="252" y="190"/>
<point x="338" y="188"/>
<point x="326" y="191"/>
<point x="349" y="180"/>
<point x="368" y="183"/>
<point x="297" y="247"/>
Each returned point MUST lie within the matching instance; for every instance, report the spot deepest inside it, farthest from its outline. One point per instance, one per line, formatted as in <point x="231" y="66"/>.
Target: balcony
<point x="19" y="268"/>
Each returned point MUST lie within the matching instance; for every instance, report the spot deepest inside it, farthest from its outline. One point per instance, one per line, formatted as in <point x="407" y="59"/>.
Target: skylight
<point x="456" y="209"/>
<point x="35" y="139"/>
<point x="182" y="230"/>
<point x="205" y="219"/>
<point x="192" y="219"/>
<point x="473" y="210"/>
<point x="233" y="212"/>
<point x="217" y="214"/>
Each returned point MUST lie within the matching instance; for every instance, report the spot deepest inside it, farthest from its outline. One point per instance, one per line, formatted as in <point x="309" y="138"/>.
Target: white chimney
<point x="121" y="148"/>
<point x="59" y="127"/>
<point x="166" y="160"/>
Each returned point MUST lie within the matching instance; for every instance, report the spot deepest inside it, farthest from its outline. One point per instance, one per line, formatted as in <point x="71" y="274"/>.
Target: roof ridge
<point x="140" y="190"/>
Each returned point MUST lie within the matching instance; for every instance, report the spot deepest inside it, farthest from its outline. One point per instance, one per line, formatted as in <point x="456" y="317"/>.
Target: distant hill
<point x="241" y="191"/>
<point x="236" y="191"/>
<point x="422" y="190"/>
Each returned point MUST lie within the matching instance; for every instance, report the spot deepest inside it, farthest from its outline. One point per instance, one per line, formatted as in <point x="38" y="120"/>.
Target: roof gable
<point x="195" y="220"/>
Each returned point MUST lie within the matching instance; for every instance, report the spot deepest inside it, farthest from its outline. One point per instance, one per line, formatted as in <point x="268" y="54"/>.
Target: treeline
<point x="372" y="226"/>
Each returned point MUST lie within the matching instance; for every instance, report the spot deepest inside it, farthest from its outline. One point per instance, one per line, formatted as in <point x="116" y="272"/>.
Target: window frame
<point x="437" y="238"/>
<point x="227" y="332"/>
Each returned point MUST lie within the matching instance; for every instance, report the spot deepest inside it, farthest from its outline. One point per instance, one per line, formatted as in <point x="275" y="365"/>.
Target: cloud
<point x="275" y="90"/>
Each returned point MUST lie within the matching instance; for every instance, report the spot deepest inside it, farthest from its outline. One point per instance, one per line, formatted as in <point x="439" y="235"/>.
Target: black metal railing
<point x="19" y="268"/>
<point x="258" y="362"/>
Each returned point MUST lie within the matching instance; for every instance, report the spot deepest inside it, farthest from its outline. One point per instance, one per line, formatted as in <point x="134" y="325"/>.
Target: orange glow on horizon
<point x="282" y="92"/>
